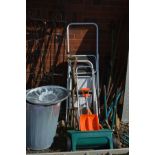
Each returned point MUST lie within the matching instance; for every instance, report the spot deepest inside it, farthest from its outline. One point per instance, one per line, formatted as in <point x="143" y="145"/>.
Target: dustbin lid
<point x="47" y="95"/>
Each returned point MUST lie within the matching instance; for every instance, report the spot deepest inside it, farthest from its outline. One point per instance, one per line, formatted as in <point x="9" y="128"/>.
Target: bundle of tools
<point x="82" y="108"/>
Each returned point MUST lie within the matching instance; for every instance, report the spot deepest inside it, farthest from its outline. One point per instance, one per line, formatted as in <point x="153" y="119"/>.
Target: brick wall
<point x="46" y="43"/>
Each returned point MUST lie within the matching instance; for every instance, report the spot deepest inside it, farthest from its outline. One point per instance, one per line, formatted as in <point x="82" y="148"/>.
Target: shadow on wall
<point x="43" y="54"/>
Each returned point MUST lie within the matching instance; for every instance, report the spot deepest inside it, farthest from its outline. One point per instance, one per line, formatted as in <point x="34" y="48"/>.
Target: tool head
<point x="85" y="92"/>
<point x="89" y="122"/>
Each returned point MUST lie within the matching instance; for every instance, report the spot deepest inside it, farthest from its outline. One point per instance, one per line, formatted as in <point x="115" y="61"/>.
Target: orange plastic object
<point x="85" y="92"/>
<point x="89" y="122"/>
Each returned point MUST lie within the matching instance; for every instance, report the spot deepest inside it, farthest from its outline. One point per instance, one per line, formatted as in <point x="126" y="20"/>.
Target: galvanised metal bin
<point x="42" y="112"/>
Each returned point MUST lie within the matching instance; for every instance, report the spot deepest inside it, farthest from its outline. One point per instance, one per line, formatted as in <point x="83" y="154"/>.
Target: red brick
<point x="109" y="11"/>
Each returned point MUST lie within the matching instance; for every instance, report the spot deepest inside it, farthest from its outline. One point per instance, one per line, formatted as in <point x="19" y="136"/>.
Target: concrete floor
<point x="124" y="151"/>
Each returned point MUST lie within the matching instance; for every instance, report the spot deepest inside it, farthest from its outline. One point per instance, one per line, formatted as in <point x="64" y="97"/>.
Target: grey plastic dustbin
<point x="42" y="111"/>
